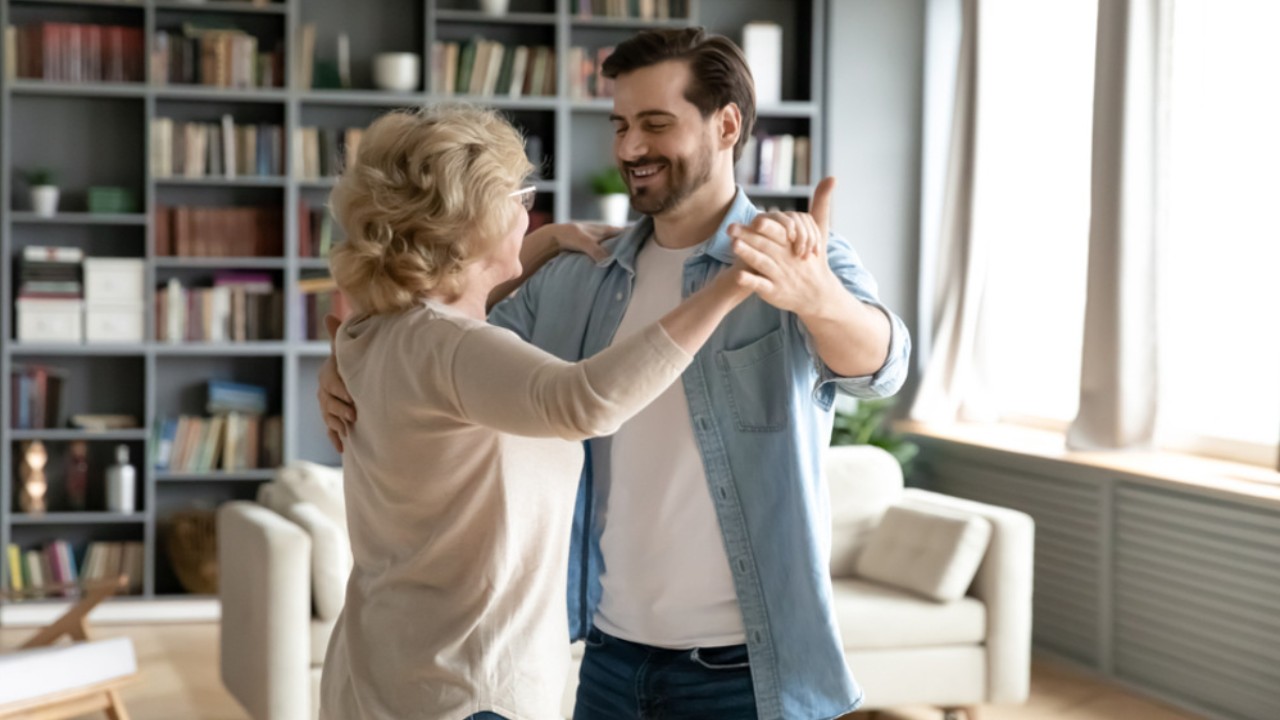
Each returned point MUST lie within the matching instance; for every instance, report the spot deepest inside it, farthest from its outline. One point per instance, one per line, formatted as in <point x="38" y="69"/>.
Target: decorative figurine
<point x="31" y="474"/>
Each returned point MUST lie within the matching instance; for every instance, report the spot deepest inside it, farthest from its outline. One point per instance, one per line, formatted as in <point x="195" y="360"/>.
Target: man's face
<point x="662" y="144"/>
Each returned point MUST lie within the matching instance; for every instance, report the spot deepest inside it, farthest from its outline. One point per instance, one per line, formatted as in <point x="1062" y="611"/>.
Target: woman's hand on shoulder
<point x="580" y="237"/>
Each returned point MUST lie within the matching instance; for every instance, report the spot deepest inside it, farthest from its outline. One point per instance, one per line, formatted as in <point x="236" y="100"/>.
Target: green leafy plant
<point x="609" y="182"/>
<point x="40" y="176"/>
<point x="869" y="425"/>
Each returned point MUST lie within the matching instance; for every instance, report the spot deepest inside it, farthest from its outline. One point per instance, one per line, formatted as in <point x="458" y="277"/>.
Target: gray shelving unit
<point x="99" y="134"/>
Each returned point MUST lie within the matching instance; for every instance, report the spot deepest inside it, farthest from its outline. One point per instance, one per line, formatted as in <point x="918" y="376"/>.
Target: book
<point x="102" y="423"/>
<point x="225" y="396"/>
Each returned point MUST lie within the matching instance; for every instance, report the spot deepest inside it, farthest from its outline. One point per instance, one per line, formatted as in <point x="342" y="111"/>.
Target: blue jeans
<point x="622" y="680"/>
<point x="486" y="715"/>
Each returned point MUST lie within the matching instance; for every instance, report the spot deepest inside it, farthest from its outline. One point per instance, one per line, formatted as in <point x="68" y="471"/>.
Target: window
<point x="1220" y="267"/>
<point x="1031" y="203"/>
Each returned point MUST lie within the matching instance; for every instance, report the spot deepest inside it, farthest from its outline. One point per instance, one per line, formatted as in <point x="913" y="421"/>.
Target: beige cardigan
<point x="461" y="477"/>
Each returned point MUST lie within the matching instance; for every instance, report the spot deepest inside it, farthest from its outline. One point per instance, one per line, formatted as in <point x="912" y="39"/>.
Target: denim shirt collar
<point x="627" y="246"/>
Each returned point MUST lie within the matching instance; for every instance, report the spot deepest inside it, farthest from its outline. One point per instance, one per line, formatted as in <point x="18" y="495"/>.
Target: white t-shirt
<point x="666" y="577"/>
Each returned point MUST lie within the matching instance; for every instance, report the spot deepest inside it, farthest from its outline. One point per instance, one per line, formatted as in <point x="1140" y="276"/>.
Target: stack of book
<point x="486" y="68"/>
<point x="220" y="56"/>
<point x="777" y="162"/>
<point x="219" y="232"/>
<point x="316" y="231"/>
<point x="237" y="434"/>
<point x="323" y="152"/>
<point x="75" y="52"/>
<point x="50" y="273"/>
<point x="38" y="397"/>
<point x="240" y="307"/>
<point x="55" y="565"/>
<point x="215" y="149"/>
<point x="586" y="73"/>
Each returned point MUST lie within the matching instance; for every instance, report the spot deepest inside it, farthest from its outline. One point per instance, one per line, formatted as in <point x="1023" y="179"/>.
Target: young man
<point x="699" y="573"/>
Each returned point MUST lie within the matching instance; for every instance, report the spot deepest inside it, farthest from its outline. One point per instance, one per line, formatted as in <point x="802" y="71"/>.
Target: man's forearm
<point x="850" y="336"/>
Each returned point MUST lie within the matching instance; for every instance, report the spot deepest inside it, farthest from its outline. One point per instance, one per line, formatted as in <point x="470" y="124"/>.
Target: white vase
<point x="494" y="7"/>
<point x="44" y="200"/>
<point x="614" y="208"/>
<point x="398" y="71"/>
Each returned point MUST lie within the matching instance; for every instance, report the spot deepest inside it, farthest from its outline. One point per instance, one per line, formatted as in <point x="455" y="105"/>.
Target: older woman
<point x="462" y="473"/>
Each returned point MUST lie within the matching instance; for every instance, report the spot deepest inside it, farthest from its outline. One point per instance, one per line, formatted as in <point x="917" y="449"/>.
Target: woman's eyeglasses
<point x="526" y="195"/>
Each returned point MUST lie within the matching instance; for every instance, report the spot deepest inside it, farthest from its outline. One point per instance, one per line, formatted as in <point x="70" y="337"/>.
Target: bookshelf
<point x="102" y="134"/>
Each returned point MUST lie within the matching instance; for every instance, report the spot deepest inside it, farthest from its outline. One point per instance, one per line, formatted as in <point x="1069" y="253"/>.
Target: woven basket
<point x="193" y="550"/>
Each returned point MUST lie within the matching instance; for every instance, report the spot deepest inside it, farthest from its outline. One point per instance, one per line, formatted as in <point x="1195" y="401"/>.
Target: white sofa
<point x="904" y="648"/>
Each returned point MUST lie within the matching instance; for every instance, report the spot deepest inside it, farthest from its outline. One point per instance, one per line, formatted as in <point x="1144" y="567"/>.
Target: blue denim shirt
<point x="760" y="401"/>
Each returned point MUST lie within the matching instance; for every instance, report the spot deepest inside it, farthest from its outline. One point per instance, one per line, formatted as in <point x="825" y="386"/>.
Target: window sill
<point x="1218" y="477"/>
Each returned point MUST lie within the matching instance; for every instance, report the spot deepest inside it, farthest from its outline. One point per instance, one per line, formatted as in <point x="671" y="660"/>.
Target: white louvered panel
<point x="1068" y="517"/>
<point x="1197" y="600"/>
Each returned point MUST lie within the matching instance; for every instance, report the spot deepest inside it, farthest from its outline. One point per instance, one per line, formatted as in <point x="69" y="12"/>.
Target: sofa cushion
<point x="873" y="616"/>
<point x="928" y="550"/>
<point x="321" y="631"/>
<point x="330" y="558"/>
<point x="863" y="481"/>
<point x="302" y="481"/>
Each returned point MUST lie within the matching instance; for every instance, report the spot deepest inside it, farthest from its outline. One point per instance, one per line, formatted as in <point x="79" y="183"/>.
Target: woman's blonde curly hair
<point x="428" y="193"/>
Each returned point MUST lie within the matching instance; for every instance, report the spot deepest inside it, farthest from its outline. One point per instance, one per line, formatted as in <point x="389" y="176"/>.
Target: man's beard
<point x="684" y="177"/>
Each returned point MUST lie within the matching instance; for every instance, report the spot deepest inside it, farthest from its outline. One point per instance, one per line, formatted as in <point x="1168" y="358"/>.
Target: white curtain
<point x="1118" y="379"/>
<point x="951" y="257"/>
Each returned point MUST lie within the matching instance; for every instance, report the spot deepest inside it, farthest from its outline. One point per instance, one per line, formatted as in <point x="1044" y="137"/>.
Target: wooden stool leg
<point x="116" y="709"/>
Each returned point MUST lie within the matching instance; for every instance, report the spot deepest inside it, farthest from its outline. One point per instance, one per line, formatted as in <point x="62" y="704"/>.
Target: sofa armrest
<point x="264" y="567"/>
<point x="1004" y="584"/>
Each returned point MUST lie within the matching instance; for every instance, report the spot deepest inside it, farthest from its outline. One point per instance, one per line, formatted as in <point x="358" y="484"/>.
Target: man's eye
<point x="658" y="128"/>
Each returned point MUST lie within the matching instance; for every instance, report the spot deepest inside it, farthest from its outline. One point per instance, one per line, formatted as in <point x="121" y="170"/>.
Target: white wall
<point x="874" y="87"/>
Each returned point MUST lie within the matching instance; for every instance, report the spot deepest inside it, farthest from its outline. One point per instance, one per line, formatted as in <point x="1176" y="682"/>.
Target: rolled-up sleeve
<point x="857" y="280"/>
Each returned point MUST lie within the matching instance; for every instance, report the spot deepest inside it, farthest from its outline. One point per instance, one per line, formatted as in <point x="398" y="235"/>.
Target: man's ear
<point x="729" y="125"/>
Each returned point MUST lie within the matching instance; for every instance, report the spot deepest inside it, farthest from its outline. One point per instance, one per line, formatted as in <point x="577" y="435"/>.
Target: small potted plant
<point x="44" y="193"/>
<point x="615" y="201"/>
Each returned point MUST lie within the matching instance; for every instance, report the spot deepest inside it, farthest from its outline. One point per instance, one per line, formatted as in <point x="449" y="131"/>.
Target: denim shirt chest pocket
<point x="755" y="381"/>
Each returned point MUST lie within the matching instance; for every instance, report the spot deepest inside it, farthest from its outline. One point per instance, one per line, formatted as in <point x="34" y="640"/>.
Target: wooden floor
<point x="179" y="664"/>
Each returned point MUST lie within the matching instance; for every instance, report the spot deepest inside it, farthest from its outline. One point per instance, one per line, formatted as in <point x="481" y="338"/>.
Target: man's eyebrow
<point x="613" y="117"/>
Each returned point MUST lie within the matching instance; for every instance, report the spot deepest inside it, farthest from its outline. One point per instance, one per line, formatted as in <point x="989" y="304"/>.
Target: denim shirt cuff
<point x="882" y="383"/>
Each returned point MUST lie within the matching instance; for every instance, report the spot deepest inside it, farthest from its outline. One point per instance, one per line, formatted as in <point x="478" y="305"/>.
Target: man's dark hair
<point x="719" y="70"/>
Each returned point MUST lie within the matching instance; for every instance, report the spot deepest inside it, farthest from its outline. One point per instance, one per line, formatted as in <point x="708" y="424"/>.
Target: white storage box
<point x="114" y="323"/>
<point x="50" y="320"/>
<point x="119" y="281"/>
